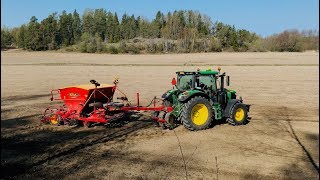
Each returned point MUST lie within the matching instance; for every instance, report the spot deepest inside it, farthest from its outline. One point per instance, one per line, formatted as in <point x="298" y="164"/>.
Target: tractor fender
<point x="229" y="106"/>
<point x="168" y="94"/>
<point x="189" y="96"/>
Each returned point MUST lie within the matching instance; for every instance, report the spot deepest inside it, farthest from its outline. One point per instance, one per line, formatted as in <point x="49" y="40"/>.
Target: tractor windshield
<point x="185" y="82"/>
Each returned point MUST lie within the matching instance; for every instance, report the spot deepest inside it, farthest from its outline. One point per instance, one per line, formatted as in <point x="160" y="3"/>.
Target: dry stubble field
<point x="280" y="142"/>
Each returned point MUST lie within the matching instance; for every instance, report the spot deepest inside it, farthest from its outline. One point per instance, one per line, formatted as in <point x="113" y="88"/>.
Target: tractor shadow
<point x="25" y="145"/>
<point x="18" y="122"/>
<point x="11" y="99"/>
<point x="224" y="121"/>
<point x="213" y="124"/>
<point x="128" y="118"/>
<point x="218" y="123"/>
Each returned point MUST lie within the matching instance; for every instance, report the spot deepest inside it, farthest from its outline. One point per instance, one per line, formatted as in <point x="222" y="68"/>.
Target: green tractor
<point x="199" y="97"/>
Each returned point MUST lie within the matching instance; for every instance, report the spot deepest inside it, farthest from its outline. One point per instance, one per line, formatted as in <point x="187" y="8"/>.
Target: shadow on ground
<point x="30" y="150"/>
<point x="31" y="146"/>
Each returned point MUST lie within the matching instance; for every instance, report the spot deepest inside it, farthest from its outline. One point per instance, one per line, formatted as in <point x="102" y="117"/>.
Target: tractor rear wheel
<point x="197" y="113"/>
<point x="238" y="115"/>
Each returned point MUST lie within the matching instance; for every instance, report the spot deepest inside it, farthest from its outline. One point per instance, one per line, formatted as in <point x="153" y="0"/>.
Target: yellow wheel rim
<point x="239" y="114"/>
<point x="199" y="114"/>
<point x="54" y="120"/>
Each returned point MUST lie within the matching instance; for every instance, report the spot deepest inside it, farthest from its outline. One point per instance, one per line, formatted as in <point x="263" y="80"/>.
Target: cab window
<point x="185" y="82"/>
<point x="206" y="82"/>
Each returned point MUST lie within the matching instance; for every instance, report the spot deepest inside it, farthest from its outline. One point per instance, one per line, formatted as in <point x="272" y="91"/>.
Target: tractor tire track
<point x="124" y="131"/>
<point x="284" y="113"/>
<point x="312" y="161"/>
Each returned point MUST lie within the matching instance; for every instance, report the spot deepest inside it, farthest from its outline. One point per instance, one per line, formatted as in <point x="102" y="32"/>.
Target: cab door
<point x="207" y="83"/>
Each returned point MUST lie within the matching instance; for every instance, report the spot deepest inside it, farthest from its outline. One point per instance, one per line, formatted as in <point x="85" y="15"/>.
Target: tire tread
<point x="185" y="111"/>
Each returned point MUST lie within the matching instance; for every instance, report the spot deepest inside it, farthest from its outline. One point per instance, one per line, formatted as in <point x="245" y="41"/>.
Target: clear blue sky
<point x="264" y="17"/>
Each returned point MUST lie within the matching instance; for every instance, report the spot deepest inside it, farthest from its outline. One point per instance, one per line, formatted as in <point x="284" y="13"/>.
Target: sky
<point x="265" y="17"/>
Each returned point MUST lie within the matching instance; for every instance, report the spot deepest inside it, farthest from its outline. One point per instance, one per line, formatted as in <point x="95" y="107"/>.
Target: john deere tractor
<point x="200" y="97"/>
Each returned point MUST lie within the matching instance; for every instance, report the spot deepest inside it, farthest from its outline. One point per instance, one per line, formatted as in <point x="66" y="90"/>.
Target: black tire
<point x="162" y="115"/>
<point x="235" y="119"/>
<point x="187" y="111"/>
<point x="169" y="118"/>
<point x="154" y="116"/>
<point x="118" y="116"/>
<point x="170" y="121"/>
<point x="73" y="122"/>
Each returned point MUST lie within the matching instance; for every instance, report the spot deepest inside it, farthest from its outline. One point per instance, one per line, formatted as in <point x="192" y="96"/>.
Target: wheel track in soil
<point x="292" y="133"/>
<point x="98" y="140"/>
<point x="29" y="128"/>
<point x="11" y="134"/>
<point x="308" y="154"/>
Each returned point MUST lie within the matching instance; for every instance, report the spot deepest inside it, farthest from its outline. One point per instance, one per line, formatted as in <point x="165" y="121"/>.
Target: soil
<point x="280" y="142"/>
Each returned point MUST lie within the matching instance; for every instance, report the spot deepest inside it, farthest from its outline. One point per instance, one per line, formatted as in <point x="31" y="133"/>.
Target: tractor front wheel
<point x="197" y="113"/>
<point x="238" y="115"/>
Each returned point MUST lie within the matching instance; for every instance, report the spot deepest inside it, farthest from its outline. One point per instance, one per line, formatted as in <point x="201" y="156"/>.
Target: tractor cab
<point x="203" y="80"/>
<point x="209" y="82"/>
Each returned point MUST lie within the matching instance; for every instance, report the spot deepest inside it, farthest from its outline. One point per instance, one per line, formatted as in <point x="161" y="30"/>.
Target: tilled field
<point x="280" y="142"/>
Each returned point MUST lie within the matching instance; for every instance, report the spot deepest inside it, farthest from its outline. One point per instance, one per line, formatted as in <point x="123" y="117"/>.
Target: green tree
<point x="100" y="23"/>
<point x="177" y="25"/>
<point x="34" y="36"/>
<point x="76" y="26"/>
<point x="88" y="21"/>
<point x="190" y="21"/>
<point x="166" y="31"/>
<point x="143" y="26"/>
<point x="50" y="31"/>
<point x="21" y="36"/>
<point x="109" y="27"/>
<point x="6" y="38"/>
<point x="15" y="35"/>
<point x="66" y="28"/>
<point x="128" y="27"/>
<point x="116" y="28"/>
<point x="180" y="31"/>
<point x="157" y="24"/>
<point x="202" y="27"/>
<point x="245" y="39"/>
<point x="226" y="34"/>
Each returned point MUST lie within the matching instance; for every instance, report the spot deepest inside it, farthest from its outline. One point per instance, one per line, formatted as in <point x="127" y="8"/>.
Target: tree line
<point x="179" y="31"/>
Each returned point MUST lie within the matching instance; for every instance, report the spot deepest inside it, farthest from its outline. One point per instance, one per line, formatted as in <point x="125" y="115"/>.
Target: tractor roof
<point x="206" y="72"/>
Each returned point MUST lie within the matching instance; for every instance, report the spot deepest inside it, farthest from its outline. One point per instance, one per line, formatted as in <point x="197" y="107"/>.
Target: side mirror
<point x="228" y="80"/>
